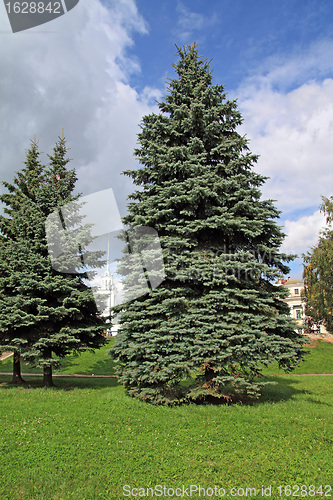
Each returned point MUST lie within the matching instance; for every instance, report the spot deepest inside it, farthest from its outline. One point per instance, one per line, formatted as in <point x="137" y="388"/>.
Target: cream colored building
<point x="294" y="301"/>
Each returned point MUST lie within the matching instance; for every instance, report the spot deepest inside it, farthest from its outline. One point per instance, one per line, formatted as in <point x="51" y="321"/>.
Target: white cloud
<point x="292" y="130"/>
<point x="287" y="106"/>
<point x="302" y="234"/>
<point x="293" y="69"/>
<point x="76" y="78"/>
<point x="292" y="133"/>
<point x="190" y="22"/>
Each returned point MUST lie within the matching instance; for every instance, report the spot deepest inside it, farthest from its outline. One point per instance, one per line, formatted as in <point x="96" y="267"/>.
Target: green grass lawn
<point x="319" y="360"/>
<point x="88" y="363"/>
<point x="86" y="439"/>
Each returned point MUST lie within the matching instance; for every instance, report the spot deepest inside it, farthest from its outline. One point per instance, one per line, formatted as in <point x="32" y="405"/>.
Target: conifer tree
<point x="43" y="311"/>
<point x="217" y="317"/>
<point x="318" y="278"/>
<point x="17" y="310"/>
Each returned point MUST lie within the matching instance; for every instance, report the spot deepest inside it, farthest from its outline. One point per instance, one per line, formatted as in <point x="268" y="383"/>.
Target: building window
<point x="298" y="314"/>
<point x="296" y="291"/>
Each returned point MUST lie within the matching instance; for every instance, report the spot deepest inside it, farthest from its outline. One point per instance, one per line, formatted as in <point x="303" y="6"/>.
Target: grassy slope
<point x="89" y="440"/>
<point x="97" y="363"/>
<point x="86" y="439"/>
<point x="319" y="360"/>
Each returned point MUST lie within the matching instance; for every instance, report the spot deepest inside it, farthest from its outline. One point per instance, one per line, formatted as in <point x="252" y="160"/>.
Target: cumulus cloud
<point x="287" y="106"/>
<point x="303" y="233"/>
<point x="75" y="76"/>
<point x="190" y="22"/>
<point x="293" y="134"/>
<point x="292" y="130"/>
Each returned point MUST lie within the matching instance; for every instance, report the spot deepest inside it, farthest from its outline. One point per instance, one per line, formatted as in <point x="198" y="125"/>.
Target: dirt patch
<point x="5" y="355"/>
<point x="325" y="337"/>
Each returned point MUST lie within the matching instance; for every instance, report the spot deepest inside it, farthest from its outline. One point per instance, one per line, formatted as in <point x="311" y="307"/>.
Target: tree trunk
<point x="209" y="373"/>
<point x="17" y="378"/>
<point x="47" y="379"/>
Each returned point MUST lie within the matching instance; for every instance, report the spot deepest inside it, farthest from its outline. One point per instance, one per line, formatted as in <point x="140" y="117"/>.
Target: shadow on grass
<point x="104" y="367"/>
<point x="283" y="389"/>
<point x="279" y="389"/>
<point x="96" y="362"/>
<point x="99" y="367"/>
<point x="60" y="383"/>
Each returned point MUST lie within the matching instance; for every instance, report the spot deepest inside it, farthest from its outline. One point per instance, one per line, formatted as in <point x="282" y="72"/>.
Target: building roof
<point x="282" y="282"/>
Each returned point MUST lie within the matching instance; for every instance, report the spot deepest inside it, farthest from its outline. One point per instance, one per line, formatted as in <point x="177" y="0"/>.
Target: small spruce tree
<point x="217" y="317"/>
<point x="43" y="312"/>
<point x="18" y="310"/>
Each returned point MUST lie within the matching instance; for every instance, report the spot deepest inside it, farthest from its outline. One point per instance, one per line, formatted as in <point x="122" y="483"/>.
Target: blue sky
<point x="239" y="35"/>
<point x="98" y="69"/>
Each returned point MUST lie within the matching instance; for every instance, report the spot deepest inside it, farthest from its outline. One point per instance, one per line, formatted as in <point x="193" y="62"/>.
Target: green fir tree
<point x="318" y="277"/>
<point x="43" y="311"/>
<point x="18" y="311"/>
<point x="207" y="330"/>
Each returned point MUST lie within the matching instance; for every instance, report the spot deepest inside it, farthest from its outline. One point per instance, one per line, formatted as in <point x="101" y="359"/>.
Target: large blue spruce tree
<point x="207" y="330"/>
